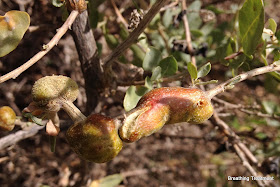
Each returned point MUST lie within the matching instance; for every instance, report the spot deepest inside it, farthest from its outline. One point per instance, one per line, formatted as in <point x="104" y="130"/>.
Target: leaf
<point x="57" y="3"/>
<point x="13" y="25"/>
<point x="132" y="96"/>
<point x="277" y="62"/>
<point x="269" y="107"/>
<point x="272" y="25"/>
<point x="207" y="82"/>
<point x="111" y="40"/>
<point x="234" y="81"/>
<point x="193" y="16"/>
<point x="196" y="33"/>
<point x="192" y="70"/>
<point x="64" y="13"/>
<point x="148" y="84"/>
<point x="276" y="55"/>
<point x="168" y="66"/>
<point x="204" y="70"/>
<point x="152" y="59"/>
<point x="108" y="181"/>
<point x="138" y="55"/>
<point x="251" y="24"/>
<point x="33" y="118"/>
<point x="156" y="73"/>
<point x="167" y="18"/>
<point x="237" y="61"/>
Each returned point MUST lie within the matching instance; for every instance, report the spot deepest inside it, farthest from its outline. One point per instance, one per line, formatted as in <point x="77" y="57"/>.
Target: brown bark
<point x="90" y="63"/>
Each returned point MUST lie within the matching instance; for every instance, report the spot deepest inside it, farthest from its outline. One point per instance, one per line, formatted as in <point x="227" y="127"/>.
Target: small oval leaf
<point x="13" y="25"/>
<point x="192" y="70"/>
<point x="152" y="59"/>
<point x="272" y="25"/>
<point x="111" y="40"/>
<point x="132" y="96"/>
<point x="156" y="73"/>
<point x="204" y="70"/>
<point x="168" y="66"/>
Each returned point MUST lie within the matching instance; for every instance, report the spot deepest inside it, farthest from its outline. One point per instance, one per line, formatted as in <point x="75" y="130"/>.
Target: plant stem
<point x="75" y="114"/>
<point x="135" y="34"/>
<point x="188" y="33"/>
<point x="229" y="83"/>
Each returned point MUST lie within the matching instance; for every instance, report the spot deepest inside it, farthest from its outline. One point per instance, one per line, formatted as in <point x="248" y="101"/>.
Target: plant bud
<point x="7" y="118"/>
<point x="166" y="106"/>
<point x="95" y="139"/>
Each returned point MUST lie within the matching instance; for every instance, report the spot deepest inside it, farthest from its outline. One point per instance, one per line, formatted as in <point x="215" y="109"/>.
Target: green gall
<point x="95" y="139"/>
<point x="48" y="91"/>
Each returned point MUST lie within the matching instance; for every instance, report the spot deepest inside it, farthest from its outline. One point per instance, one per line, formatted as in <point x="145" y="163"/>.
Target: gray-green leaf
<point x="57" y="3"/>
<point x="272" y="25"/>
<point x="132" y="96"/>
<point x="152" y="59"/>
<point x="156" y="73"/>
<point x="204" y="70"/>
<point x="192" y="70"/>
<point x="168" y="66"/>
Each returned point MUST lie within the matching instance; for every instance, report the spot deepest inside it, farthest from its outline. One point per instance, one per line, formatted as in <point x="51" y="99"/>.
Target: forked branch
<point x="16" y="72"/>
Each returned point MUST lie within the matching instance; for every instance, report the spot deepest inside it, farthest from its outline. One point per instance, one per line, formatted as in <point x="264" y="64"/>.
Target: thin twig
<point x="242" y="151"/>
<point x="231" y="134"/>
<point x="239" y="78"/>
<point x="15" y="73"/>
<point x="247" y="164"/>
<point x="135" y="34"/>
<point x="162" y="34"/>
<point x="30" y="129"/>
<point x="175" y="3"/>
<point x="260" y="114"/>
<point x="235" y="106"/>
<point x="117" y="11"/>
<point x="163" y="80"/>
<point x="244" y="109"/>
<point x="188" y="33"/>
<point x="12" y="139"/>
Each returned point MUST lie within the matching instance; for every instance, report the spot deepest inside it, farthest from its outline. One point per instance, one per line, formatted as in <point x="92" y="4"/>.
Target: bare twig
<point x="15" y="73"/>
<point x="117" y="11"/>
<point x="12" y="139"/>
<point x="162" y="34"/>
<point x="260" y="114"/>
<point x="247" y="164"/>
<point x="165" y="80"/>
<point x="231" y="134"/>
<point x="230" y="83"/>
<point x="235" y="106"/>
<point x="188" y="33"/>
<point x="245" y="109"/>
<point x="30" y="129"/>
<point x="242" y="151"/>
<point x="135" y="34"/>
<point x="173" y="4"/>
